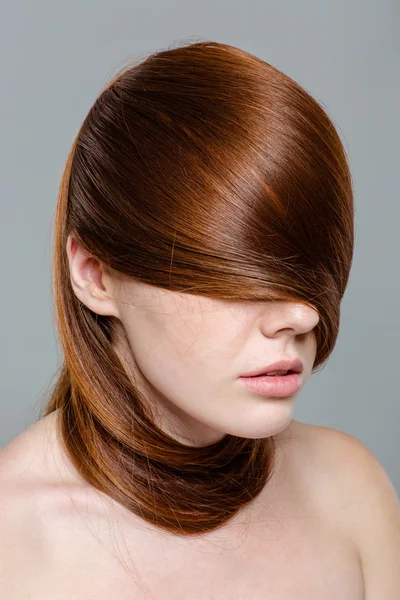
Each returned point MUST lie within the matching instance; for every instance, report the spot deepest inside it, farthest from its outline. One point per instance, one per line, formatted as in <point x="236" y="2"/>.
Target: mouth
<point x="281" y="368"/>
<point x="276" y="374"/>
<point x="274" y="386"/>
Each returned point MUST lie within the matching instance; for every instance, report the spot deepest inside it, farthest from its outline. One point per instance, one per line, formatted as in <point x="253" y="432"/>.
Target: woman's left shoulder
<point x="343" y="464"/>
<point x="352" y="486"/>
<point x="334" y="451"/>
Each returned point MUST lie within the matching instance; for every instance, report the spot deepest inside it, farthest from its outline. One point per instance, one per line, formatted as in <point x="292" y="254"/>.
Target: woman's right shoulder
<point x="20" y="516"/>
<point x="37" y="487"/>
<point x="24" y="482"/>
<point x="38" y="499"/>
<point x="24" y="464"/>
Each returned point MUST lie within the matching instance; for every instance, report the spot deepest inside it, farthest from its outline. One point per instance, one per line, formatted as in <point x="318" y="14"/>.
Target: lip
<point x="283" y="386"/>
<point x="295" y="365"/>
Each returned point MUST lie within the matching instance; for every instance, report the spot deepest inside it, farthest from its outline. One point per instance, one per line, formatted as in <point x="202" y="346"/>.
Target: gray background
<point x="56" y="56"/>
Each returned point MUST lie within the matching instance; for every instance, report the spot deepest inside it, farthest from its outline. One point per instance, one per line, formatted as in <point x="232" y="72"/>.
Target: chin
<point x="267" y="425"/>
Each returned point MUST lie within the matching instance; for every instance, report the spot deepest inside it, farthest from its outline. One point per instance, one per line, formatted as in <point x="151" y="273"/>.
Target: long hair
<point x="200" y="169"/>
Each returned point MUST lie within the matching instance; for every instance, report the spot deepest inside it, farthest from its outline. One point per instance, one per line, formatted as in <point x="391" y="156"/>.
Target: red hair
<point x="211" y="156"/>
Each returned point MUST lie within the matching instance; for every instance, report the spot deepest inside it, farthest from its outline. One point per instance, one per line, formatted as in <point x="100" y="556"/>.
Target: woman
<point x="203" y="242"/>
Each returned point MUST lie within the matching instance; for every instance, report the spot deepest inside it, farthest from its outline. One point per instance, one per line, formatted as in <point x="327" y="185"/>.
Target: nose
<point x="289" y="318"/>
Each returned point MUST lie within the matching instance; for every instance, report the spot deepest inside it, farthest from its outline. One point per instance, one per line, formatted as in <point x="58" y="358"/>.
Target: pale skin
<point x="326" y="526"/>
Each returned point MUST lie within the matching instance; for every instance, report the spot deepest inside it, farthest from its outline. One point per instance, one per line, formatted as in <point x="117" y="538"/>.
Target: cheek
<point x="172" y="345"/>
<point x="162" y="346"/>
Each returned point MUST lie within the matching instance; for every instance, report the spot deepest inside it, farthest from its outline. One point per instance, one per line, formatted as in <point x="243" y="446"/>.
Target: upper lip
<point x="295" y="365"/>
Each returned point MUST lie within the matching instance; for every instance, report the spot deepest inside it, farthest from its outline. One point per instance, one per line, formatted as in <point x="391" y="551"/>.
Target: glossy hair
<point x="205" y="170"/>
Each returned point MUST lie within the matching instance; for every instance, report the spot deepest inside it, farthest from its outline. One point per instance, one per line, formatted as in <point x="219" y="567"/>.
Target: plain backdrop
<point x="55" y="58"/>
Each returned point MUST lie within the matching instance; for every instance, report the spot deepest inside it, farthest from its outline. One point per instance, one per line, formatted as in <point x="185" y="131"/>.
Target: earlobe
<point x="87" y="280"/>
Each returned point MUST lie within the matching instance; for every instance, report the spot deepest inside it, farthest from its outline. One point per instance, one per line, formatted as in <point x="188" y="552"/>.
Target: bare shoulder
<point x="36" y="458"/>
<point x="22" y="485"/>
<point x="352" y="486"/>
<point x="343" y="469"/>
<point x="22" y="470"/>
<point x="51" y="522"/>
<point x="335" y="456"/>
<point x="36" y="480"/>
<point x="30" y="471"/>
<point x="21" y="454"/>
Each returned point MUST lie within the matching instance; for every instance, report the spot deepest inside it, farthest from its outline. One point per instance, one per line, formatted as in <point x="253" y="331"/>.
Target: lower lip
<point x="278" y="386"/>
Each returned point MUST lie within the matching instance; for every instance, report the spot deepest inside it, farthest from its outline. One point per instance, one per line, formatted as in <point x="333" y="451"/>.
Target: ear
<point x="90" y="282"/>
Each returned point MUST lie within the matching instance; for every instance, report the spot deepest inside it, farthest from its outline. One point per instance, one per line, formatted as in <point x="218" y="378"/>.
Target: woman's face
<point x="188" y="352"/>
